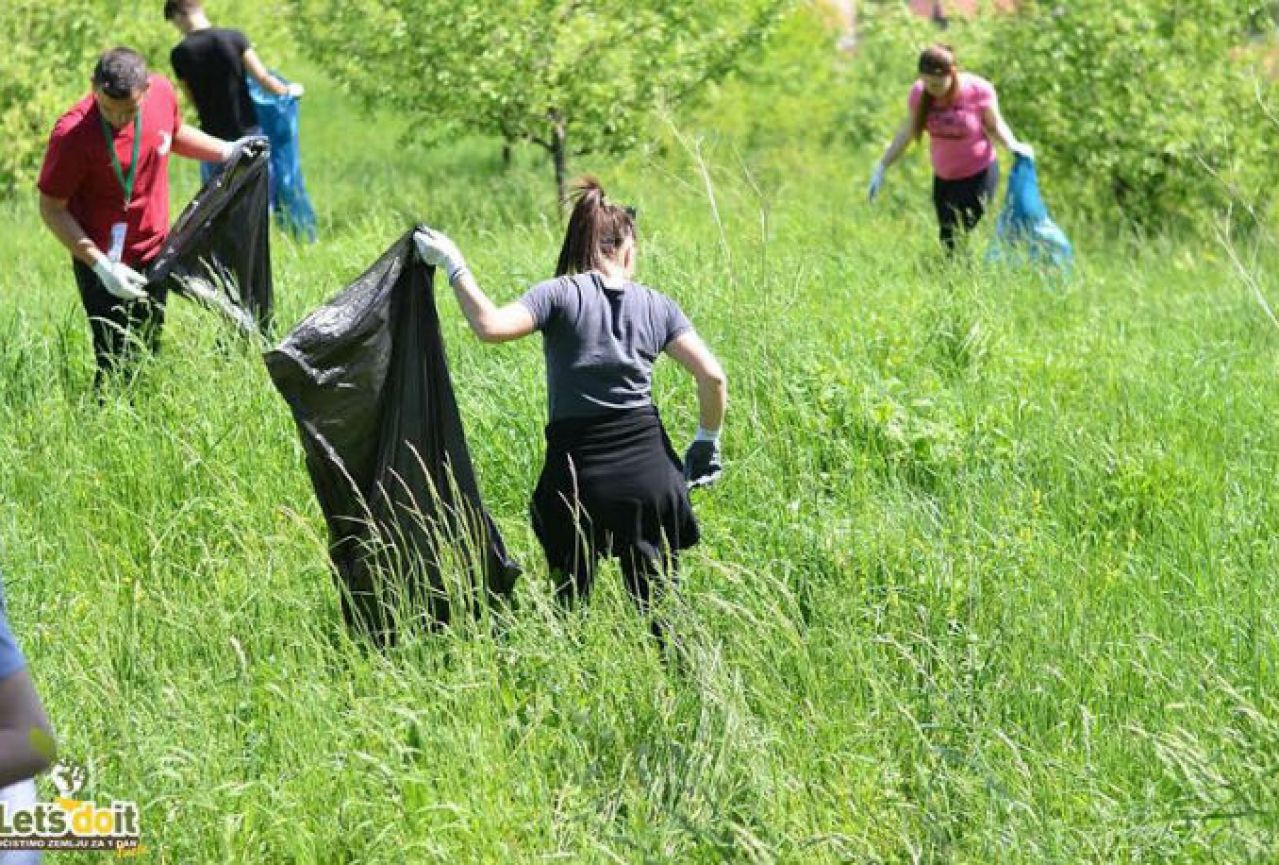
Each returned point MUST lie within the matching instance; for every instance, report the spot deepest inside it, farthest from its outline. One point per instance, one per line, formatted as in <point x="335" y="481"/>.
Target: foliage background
<point x="1132" y="111"/>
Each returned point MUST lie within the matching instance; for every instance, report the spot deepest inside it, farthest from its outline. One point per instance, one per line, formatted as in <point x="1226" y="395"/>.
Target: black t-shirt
<point x="211" y="62"/>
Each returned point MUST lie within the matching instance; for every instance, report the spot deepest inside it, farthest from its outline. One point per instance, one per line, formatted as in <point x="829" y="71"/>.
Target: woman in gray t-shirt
<point x="611" y="485"/>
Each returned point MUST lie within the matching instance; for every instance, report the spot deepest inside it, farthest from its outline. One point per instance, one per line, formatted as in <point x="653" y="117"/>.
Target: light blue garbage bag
<point x="278" y="117"/>
<point x="1024" y="232"/>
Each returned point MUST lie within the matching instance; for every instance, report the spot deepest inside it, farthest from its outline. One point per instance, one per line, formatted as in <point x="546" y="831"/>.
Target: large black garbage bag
<point x="368" y="383"/>
<point x="219" y="251"/>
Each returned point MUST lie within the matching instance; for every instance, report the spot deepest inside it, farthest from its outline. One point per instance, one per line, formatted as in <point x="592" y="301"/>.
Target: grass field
<point x="990" y="576"/>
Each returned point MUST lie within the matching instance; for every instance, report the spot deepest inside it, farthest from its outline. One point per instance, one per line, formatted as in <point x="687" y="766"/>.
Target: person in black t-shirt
<point x="210" y="64"/>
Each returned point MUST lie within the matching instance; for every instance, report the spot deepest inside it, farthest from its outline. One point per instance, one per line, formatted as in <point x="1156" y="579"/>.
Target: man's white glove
<point x="248" y="142"/>
<point x="119" y="279"/>
<point x="438" y="251"/>
<point x="295" y="90"/>
<point x="1022" y="149"/>
<point x="876" y="181"/>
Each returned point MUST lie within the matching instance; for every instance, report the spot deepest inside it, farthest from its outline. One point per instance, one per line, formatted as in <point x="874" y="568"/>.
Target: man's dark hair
<point x="119" y="72"/>
<point x="172" y="8"/>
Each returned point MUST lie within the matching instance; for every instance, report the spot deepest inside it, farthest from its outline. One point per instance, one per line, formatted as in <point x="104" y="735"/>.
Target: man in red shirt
<point x="104" y="193"/>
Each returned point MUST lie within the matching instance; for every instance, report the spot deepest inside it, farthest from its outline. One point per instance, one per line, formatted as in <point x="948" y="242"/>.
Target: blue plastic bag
<point x="278" y="117"/>
<point x="1024" y="232"/>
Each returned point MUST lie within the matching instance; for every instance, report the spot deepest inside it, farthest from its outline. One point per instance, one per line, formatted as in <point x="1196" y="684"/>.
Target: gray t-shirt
<point x="600" y="342"/>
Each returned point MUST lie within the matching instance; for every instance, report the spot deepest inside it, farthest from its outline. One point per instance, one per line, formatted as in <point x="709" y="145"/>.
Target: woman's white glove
<point x="119" y="279"/>
<point x="437" y="250"/>
<point x="876" y="181"/>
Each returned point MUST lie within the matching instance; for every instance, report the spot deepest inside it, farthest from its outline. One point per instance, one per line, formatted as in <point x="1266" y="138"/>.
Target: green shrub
<point x="42" y="68"/>
<point x="1147" y="113"/>
<point x="1136" y="106"/>
<point x="789" y="93"/>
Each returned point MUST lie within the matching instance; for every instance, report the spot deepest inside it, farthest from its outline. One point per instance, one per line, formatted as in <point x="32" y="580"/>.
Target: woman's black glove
<point x="702" y="463"/>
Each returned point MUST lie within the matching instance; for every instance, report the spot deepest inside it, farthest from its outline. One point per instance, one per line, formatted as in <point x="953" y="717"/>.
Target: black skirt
<point x="612" y="481"/>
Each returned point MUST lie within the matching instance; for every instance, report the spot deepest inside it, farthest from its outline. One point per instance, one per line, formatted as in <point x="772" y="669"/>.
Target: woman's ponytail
<point x="597" y="229"/>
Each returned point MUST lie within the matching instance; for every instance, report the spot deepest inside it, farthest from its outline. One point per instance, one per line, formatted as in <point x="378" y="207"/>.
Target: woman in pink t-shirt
<point x="961" y="114"/>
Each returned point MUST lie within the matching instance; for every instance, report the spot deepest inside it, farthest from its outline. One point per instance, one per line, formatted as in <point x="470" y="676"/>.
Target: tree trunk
<point x="506" y="154"/>
<point x="559" y="156"/>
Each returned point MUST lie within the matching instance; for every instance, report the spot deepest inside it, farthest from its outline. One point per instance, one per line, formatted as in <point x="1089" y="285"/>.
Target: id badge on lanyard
<point x="120" y="229"/>
<point x="118" y="232"/>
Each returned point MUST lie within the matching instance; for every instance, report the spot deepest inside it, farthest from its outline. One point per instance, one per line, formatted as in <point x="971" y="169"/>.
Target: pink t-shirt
<point x="957" y="136"/>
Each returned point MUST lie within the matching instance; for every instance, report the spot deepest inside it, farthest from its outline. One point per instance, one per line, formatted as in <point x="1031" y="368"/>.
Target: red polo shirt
<point x="77" y="167"/>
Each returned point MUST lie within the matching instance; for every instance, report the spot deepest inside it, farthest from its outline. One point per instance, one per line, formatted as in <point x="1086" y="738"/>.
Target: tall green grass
<point x="990" y="576"/>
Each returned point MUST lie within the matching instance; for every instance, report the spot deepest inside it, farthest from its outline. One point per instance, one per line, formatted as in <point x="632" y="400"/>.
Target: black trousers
<point x="648" y="575"/>
<point x="612" y="486"/>
<point x="645" y="573"/>
<point x="119" y="328"/>
<point x="963" y="202"/>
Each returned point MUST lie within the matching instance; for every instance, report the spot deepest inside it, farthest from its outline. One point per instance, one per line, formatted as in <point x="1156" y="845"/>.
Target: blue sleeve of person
<point x="11" y="660"/>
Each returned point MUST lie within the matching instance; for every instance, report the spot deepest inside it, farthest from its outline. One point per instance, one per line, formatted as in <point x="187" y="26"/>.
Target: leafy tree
<point x="572" y="76"/>
<point x="41" y="41"/>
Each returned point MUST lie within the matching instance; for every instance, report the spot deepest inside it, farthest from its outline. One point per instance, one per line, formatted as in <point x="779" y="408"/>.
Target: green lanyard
<point x="126" y="183"/>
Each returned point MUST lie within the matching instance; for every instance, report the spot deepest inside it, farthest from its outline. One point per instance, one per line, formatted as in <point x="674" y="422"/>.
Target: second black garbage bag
<point x="219" y="250"/>
<point x="368" y="382"/>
